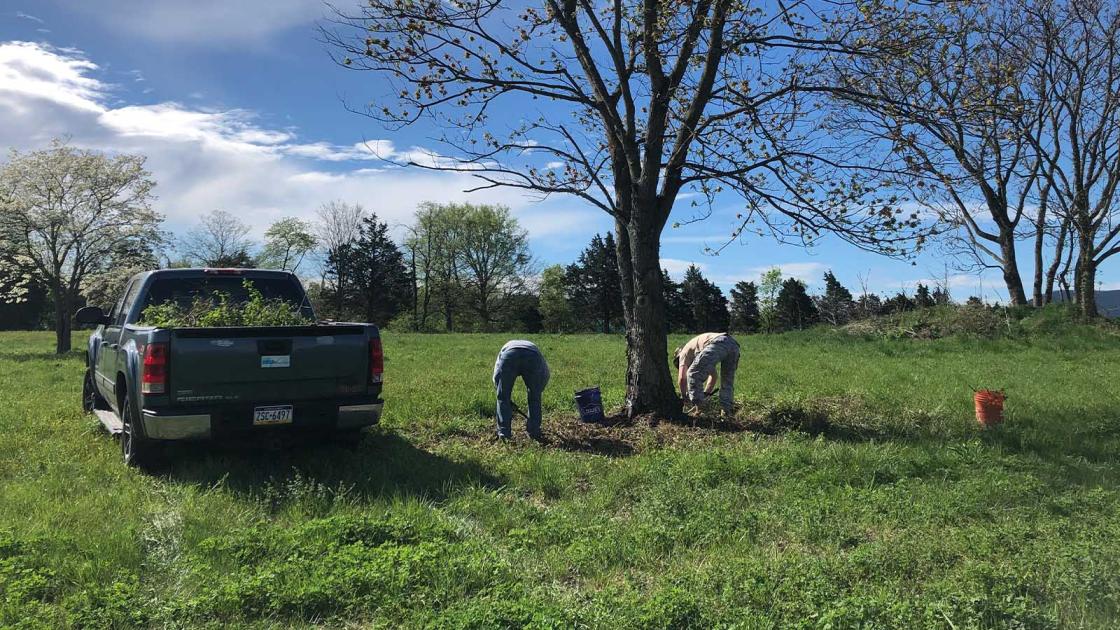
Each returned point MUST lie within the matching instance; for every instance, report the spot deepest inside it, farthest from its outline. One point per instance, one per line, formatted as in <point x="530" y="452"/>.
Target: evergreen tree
<point x="240" y="259"/>
<point x="941" y="296"/>
<point x="922" y="297"/>
<point x="678" y="314"/>
<point x="869" y="305"/>
<point x="794" y="309"/>
<point x="900" y="303"/>
<point x="744" y="307"/>
<point x="836" y="304"/>
<point x="378" y="285"/>
<point x="594" y="287"/>
<point x="522" y="313"/>
<point x="705" y="301"/>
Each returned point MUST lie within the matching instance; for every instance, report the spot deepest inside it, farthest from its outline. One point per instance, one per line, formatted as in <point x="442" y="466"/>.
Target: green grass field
<point x="902" y="514"/>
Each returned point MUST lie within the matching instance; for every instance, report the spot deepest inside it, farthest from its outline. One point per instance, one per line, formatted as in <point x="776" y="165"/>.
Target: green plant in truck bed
<point x="218" y="309"/>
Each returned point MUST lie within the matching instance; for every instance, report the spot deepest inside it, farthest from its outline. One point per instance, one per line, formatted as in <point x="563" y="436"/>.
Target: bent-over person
<point x="696" y="368"/>
<point x="520" y="358"/>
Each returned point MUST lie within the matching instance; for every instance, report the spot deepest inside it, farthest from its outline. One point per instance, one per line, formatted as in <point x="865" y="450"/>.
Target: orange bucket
<point x="989" y="407"/>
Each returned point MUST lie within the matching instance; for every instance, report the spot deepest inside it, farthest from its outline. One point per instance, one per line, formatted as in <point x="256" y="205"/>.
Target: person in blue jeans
<point x="520" y="358"/>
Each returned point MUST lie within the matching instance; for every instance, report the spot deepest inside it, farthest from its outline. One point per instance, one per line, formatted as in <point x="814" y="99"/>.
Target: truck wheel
<point x="90" y="398"/>
<point x="135" y="448"/>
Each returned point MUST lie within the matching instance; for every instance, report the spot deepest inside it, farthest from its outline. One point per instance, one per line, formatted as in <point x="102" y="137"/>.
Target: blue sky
<point x="238" y="107"/>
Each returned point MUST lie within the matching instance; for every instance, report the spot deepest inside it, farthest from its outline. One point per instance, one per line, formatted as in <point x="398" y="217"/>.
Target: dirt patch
<point x="619" y="435"/>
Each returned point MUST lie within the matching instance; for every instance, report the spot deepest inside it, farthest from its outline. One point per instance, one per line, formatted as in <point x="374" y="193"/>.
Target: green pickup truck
<point x="151" y="384"/>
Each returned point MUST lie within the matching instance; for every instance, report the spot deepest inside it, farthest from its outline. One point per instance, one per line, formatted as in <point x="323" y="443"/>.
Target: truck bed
<point x="263" y="364"/>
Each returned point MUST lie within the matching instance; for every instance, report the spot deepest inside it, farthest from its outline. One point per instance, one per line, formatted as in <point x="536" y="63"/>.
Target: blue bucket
<point x="590" y="405"/>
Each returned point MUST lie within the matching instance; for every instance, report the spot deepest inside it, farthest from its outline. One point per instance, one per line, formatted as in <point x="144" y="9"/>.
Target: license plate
<point x="275" y="414"/>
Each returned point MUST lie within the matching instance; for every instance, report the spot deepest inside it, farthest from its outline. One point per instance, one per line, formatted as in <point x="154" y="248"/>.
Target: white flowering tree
<point x="64" y="211"/>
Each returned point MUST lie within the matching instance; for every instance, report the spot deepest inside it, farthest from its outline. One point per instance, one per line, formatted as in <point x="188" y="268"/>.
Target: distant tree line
<point x="457" y="267"/>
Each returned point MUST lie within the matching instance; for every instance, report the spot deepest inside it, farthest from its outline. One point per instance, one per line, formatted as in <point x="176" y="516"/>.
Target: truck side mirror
<point x="91" y="315"/>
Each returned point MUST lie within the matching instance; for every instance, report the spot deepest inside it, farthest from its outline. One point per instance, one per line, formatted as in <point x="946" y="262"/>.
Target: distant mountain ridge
<point x="1108" y="302"/>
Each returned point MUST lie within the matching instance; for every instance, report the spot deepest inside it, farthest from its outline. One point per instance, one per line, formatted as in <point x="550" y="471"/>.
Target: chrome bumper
<point x="353" y="416"/>
<point x="195" y="427"/>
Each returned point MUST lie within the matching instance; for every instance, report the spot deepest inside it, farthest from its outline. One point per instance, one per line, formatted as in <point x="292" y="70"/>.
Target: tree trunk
<point x="649" y="386"/>
<point x="484" y="310"/>
<point x="1039" y="241"/>
<point x="62" y="309"/>
<point x="1011" y="277"/>
<point x="370" y="296"/>
<point x="415" y="294"/>
<point x="1055" y="264"/>
<point x="448" y="320"/>
<point x="1085" y="276"/>
<point x="338" y="292"/>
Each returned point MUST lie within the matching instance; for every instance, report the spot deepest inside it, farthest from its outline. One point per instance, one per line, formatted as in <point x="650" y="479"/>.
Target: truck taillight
<point x="153" y="375"/>
<point x="376" y="361"/>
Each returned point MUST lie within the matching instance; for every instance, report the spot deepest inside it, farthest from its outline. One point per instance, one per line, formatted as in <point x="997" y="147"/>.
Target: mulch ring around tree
<point x="841" y="417"/>
<point x="620" y="435"/>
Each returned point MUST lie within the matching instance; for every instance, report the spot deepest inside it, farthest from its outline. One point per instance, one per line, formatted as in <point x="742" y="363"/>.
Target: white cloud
<point x="955" y="281"/>
<point x="676" y="267"/>
<point x="30" y="72"/>
<point x="371" y="150"/>
<point x="201" y="22"/>
<point x="28" y="16"/>
<point x="231" y="130"/>
<point x="205" y="159"/>
<point x="549" y="220"/>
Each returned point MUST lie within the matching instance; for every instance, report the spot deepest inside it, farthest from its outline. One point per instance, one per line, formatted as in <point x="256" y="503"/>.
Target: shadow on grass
<point x="41" y="357"/>
<point x="1080" y="451"/>
<point x="1076" y="449"/>
<point x="375" y="463"/>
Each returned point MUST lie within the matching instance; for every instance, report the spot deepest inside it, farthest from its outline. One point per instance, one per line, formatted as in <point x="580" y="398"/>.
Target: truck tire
<point x="135" y="448"/>
<point x="90" y="398"/>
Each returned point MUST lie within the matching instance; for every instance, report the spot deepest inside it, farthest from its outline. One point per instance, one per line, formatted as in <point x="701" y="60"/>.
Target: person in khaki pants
<point x="696" y="368"/>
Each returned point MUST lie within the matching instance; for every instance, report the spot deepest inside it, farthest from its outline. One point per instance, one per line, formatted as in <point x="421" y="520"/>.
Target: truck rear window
<point x="183" y="291"/>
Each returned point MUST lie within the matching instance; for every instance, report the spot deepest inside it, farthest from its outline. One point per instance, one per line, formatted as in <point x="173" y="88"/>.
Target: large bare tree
<point x="626" y="105"/>
<point x="1076" y="56"/>
<point x="220" y="239"/>
<point x="338" y="225"/>
<point x="65" y="211"/>
<point x="958" y="115"/>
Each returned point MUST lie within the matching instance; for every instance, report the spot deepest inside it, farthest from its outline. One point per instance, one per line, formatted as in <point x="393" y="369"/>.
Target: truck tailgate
<point x="267" y="364"/>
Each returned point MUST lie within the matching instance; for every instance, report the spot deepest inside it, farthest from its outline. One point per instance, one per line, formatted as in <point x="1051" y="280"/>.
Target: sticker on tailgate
<point x="276" y="361"/>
